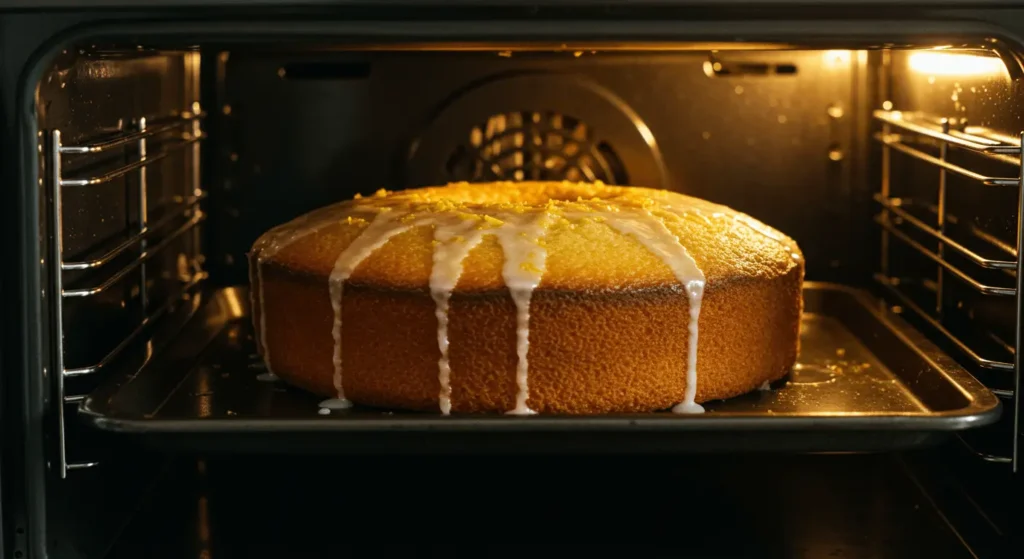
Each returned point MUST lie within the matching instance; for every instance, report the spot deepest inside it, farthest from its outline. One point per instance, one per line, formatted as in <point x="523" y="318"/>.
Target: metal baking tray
<point x="865" y="381"/>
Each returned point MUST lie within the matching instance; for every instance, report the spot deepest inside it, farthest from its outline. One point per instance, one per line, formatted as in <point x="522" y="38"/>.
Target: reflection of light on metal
<point x="235" y="303"/>
<point x="836" y="58"/>
<point x="950" y="64"/>
<point x="648" y="136"/>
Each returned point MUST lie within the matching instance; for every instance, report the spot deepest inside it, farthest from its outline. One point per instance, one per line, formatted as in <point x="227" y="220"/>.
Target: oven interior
<point x="897" y="168"/>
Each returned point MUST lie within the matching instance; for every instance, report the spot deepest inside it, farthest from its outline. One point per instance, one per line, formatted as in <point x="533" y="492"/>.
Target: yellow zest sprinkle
<point x="358" y="196"/>
<point x="493" y="221"/>
<point x="459" y="239"/>
<point x="380" y="193"/>
<point x="529" y="267"/>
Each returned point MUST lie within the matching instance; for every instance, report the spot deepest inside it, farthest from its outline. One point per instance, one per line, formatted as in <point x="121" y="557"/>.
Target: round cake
<point x="527" y="297"/>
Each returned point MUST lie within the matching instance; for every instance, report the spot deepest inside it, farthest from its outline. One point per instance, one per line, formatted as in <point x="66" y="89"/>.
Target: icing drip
<point x="454" y="242"/>
<point x="525" y="259"/>
<point x="652" y="233"/>
<point x="268" y="246"/>
<point x="334" y="404"/>
<point x="381" y="229"/>
<point x="267" y="377"/>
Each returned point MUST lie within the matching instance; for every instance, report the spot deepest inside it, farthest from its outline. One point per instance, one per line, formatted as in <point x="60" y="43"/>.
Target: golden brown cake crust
<point x="608" y="324"/>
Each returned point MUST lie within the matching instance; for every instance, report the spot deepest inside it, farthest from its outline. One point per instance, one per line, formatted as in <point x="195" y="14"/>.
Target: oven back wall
<point x="769" y="133"/>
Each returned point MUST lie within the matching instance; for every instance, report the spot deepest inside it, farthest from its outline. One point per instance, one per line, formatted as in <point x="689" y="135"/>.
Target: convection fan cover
<point x="536" y="127"/>
<point x="534" y="145"/>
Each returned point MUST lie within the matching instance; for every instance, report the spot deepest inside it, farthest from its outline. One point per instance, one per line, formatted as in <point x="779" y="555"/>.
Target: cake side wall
<point x="590" y="352"/>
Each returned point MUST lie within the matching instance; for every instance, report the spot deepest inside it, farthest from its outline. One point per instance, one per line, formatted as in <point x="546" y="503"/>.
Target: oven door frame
<point x="31" y="39"/>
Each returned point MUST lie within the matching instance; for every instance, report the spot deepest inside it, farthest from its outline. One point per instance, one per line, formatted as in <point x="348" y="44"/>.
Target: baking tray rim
<point x="983" y="406"/>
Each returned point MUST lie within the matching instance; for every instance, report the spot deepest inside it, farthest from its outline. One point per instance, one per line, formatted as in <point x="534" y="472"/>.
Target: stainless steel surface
<point x="864" y="380"/>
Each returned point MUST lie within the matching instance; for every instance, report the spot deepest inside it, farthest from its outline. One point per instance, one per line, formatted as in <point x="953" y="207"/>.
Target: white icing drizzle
<point x="454" y="242"/>
<point x="269" y="245"/>
<point x="459" y="228"/>
<point x="267" y="377"/>
<point x="525" y="260"/>
<point x="652" y="233"/>
<point x="329" y="405"/>
<point x="381" y="229"/>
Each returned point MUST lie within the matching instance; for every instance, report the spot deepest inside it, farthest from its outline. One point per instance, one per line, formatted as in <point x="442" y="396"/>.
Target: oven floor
<point x="842" y="506"/>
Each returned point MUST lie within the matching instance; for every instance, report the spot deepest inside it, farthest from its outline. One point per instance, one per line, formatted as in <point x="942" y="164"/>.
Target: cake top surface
<point x="572" y="236"/>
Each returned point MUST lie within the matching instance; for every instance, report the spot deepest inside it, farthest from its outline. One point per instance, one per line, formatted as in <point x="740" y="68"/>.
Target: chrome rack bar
<point x="995" y="459"/>
<point x="129" y="138"/>
<point x="127" y="341"/>
<point x="932" y="128"/>
<point x="1019" y="342"/>
<point x="57" y="255"/>
<point x="975" y="231"/>
<point x="125" y="169"/>
<point x="196" y="219"/>
<point x="886" y="223"/>
<point x="187" y="208"/>
<point x="906" y="302"/>
<point x="894" y="205"/>
<point x="896" y="142"/>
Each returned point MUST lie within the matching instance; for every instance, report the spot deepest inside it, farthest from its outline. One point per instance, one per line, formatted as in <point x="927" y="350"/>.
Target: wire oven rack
<point x="904" y="133"/>
<point x="179" y="134"/>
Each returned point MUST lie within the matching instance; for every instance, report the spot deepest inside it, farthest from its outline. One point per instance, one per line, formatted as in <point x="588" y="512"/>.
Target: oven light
<point x="949" y="64"/>
<point x="836" y="58"/>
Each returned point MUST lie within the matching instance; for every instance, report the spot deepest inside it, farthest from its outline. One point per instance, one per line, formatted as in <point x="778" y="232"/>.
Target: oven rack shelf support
<point x="183" y="218"/>
<point x="905" y="133"/>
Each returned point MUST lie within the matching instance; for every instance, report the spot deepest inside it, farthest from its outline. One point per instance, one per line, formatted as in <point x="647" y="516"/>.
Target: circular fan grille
<point x="535" y="146"/>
